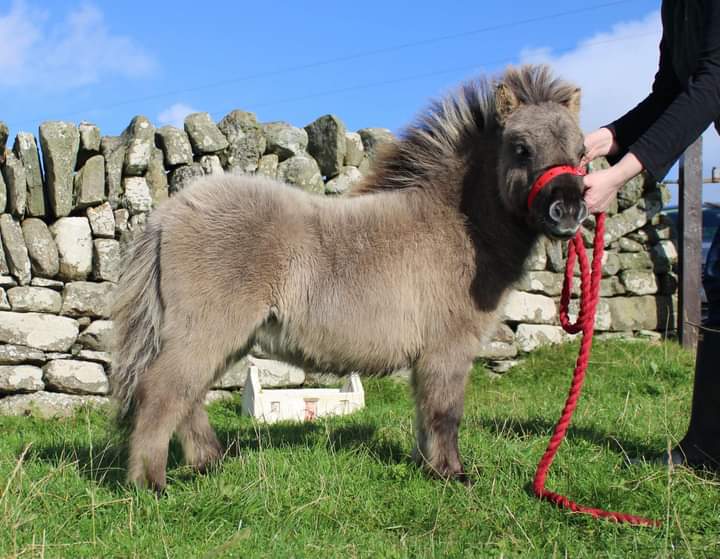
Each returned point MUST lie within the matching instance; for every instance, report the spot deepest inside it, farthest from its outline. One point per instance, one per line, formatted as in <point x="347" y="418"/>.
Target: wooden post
<point x="690" y="244"/>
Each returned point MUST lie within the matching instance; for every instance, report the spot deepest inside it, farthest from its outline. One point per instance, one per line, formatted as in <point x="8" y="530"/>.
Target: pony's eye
<point x="521" y="150"/>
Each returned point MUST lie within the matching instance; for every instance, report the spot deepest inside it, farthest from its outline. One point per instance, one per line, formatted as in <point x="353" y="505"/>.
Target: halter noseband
<point x="549" y="175"/>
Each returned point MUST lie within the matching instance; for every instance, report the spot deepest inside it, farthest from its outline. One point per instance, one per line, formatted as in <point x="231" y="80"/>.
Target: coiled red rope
<point x="589" y="293"/>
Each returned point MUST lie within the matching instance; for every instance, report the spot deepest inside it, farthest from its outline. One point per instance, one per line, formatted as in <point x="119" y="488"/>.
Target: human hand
<point x="599" y="143"/>
<point x="601" y="186"/>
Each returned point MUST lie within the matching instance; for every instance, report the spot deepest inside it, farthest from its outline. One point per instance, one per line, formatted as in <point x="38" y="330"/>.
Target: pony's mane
<point x="436" y="138"/>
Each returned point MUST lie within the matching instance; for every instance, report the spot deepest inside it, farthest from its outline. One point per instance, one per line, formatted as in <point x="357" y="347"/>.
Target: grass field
<point x="346" y="487"/>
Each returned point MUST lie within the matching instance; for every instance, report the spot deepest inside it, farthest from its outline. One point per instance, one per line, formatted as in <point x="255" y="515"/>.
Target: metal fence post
<point x="690" y="244"/>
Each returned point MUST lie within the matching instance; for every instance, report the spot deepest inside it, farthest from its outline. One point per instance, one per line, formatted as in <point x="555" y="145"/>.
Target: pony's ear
<point x="505" y="101"/>
<point x="573" y="103"/>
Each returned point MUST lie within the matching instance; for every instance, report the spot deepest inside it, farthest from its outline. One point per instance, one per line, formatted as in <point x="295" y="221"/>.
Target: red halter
<point x="549" y="175"/>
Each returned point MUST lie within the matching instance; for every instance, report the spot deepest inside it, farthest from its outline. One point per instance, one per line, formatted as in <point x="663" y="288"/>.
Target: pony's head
<point x="538" y="128"/>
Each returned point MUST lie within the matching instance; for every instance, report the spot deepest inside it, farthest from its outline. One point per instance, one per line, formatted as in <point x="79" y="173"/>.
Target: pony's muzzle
<point x="566" y="217"/>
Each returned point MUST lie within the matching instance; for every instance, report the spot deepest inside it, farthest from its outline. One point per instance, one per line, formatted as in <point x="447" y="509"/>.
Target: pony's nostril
<point x="557" y="210"/>
<point x="582" y="212"/>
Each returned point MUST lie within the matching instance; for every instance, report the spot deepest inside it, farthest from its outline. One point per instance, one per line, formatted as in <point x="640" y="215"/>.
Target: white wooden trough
<point x="300" y="404"/>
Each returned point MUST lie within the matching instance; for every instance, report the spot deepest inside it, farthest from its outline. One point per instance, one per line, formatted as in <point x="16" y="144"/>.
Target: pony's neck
<point x="505" y="237"/>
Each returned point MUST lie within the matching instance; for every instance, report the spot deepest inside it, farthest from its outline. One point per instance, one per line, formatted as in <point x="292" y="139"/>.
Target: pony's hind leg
<point x="166" y="400"/>
<point x="201" y="446"/>
<point x="439" y="385"/>
<point x="159" y="405"/>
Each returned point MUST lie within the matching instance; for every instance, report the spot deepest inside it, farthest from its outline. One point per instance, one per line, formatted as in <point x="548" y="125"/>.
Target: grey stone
<point x="354" y="150"/>
<point x="639" y="282"/>
<point x="41" y="247"/>
<point x="493" y="349"/>
<point x="107" y="261"/>
<point x="40" y="331"/>
<point x="603" y="317"/>
<point x="4" y="133"/>
<point x="3" y="191"/>
<point x="343" y="182"/>
<point x="205" y="136"/>
<point x="140" y="128"/>
<point x="84" y="298"/>
<point x="301" y="171"/>
<point x="102" y="221"/>
<point x="611" y="263"/>
<point x="137" y="157"/>
<point x="16" y="252"/>
<point x="268" y="165"/>
<point x="102" y="357"/>
<point x="20" y="378"/>
<point x="623" y="223"/>
<point x="546" y="283"/>
<point x="537" y="259"/>
<point x="57" y="285"/>
<point x="628" y="245"/>
<point x="4" y="269"/>
<point x="609" y="287"/>
<point x="327" y="143"/>
<point x="97" y="336"/>
<point x="16" y="184"/>
<point x="246" y="141"/>
<point x="26" y="150"/>
<point x="122" y="220"/>
<point x="113" y="150"/>
<point x="285" y="140"/>
<point x="34" y="299"/>
<point x="555" y="256"/>
<point x="273" y="374"/>
<point x="667" y="284"/>
<point x="374" y="138"/>
<point x="76" y="377"/>
<point x="74" y="243"/>
<point x="183" y="176"/>
<point x="631" y="192"/>
<point x="664" y="256"/>
<point x="59" y="142"/>
<point x="4" y="303"/>
<point x="529" y="307"/>
<point x="17" y="355"/>
<point x="7" y="281"/>
<point x="175" y="146"/>
<point x="635" y="261"/>
<point x="136" y="195"/>
<point x="90" y="183"/>
<point x="213" y="396"/>
<point x="501" y="367"/>
<point x="89" y="142"/>
<point x="640" y="313"/>
<point x="49" y="405"/>
<point x="156" y="177"/>
<point x="211" y="165"/>
<point x="532" y="336"/>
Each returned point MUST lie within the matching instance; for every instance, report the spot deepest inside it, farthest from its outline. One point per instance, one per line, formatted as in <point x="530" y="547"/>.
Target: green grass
<point x="346" y="487"/>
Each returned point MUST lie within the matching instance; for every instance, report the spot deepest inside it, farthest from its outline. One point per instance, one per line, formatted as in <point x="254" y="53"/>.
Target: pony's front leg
<point x="439" y="385"/>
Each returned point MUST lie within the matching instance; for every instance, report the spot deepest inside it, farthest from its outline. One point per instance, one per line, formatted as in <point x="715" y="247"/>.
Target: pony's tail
<point x="137" y="316"/>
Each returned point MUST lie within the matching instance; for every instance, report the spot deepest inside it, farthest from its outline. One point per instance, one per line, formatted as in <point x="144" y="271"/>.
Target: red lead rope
<point x="590" y="291"/>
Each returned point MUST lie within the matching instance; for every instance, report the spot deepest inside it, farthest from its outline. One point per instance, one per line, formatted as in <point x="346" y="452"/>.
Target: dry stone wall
<point x="71" y="199"/>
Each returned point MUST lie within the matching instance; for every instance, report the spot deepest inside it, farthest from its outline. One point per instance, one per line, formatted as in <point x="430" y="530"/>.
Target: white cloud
<point x="175" y="114"/>
<point x="615" y="70"/>
<point x="78" y="50"/>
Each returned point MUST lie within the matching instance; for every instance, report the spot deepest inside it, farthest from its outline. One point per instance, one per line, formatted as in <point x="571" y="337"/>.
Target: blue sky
<point x="372" y="63"/>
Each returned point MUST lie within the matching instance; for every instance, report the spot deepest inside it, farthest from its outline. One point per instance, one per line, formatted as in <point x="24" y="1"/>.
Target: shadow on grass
<point x="105" y="461"/>
<point x="542" y="428"/>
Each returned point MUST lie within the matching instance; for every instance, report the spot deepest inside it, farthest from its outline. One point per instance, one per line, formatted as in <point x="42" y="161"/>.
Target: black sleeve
<point x="629" y="127"/>
<point x="692" y="110"/>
